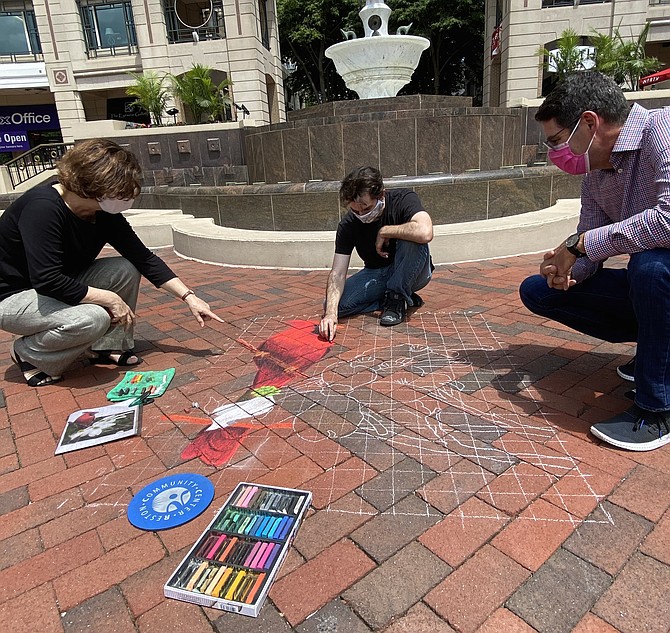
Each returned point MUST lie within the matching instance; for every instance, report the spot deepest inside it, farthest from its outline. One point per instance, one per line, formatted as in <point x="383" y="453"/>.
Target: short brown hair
<point x="359" y="181"/>
<point x="580" y="92"/>
<point x="99" y="168"/>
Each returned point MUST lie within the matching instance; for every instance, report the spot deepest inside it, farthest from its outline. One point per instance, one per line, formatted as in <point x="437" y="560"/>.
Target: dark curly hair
<point x="359" y="181"/>
<point x="99" y="168"/>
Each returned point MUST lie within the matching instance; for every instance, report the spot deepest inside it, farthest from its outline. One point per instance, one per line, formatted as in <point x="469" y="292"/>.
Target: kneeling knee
<point x="94" y="322"/>
<point x="532" y="291"/>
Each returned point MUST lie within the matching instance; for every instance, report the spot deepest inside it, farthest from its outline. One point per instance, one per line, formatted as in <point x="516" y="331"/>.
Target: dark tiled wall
<point x="429" y="142"/>
<point x="314" y="206"/>
<point x="215" y="157"/>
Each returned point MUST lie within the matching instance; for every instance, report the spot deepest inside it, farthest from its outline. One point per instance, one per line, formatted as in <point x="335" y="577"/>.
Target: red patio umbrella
<point x="649" y="80"/>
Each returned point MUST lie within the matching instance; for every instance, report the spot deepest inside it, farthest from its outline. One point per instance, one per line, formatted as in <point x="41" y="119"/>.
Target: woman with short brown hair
<point x="55" y="293"/>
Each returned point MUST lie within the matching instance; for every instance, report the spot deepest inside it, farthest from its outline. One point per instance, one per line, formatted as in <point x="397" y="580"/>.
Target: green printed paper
<point x="138" y="384"/>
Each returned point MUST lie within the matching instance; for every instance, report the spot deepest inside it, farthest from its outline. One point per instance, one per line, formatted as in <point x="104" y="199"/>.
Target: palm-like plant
<point x="624" y="61"/>
<point x="150" y="94"/>
<point x="198" y="92"/>
<point x="217" y="100"/>
<point x="567" y="58"/>
<point x="635" y="62"/>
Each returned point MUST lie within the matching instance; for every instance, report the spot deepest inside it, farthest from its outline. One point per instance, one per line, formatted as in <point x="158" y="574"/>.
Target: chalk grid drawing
<point x="401" y="399"/>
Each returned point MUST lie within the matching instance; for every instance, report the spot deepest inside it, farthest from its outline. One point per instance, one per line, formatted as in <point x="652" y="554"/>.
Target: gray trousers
<point x="54" y="334"/>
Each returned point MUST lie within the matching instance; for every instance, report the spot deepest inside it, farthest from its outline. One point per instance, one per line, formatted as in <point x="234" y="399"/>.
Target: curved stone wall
<point x="413" y="135"/>
<point x="314" y="206"/>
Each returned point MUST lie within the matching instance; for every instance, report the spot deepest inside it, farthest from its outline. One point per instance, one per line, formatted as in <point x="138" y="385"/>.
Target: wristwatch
<point x="571" y="245"/>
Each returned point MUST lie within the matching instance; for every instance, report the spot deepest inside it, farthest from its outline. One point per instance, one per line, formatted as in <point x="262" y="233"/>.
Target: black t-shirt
<point x="44" y="246"/>
<point x="400" y="206"/>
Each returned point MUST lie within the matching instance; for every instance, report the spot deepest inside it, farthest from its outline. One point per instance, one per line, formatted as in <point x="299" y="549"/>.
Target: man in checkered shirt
<point x="624" y="153"/>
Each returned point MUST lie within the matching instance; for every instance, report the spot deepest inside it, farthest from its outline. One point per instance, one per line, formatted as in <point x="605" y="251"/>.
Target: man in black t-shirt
<point x="390" y="230"/>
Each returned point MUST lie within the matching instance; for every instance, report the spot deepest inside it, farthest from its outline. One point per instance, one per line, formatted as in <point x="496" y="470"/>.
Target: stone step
<point x="155" y="226"/>
<point x="532" y="232"/>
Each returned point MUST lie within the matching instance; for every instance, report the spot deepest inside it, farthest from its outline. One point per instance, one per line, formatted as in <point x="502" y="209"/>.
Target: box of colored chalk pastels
<point x="234" y="563"/>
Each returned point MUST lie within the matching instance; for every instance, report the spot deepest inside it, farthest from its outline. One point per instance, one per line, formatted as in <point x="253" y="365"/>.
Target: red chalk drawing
<point x="280" y="359"/>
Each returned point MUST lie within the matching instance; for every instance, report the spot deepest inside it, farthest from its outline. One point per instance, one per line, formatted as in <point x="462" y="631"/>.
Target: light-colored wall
<point x="241" y="55"/>
<point x="526" y="27"/>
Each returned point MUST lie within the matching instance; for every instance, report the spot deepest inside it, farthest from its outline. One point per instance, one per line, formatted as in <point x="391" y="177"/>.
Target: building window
<point x="20" y="40"/>
<point x="265" y="26"/>
<point x="194" y="20"/>
<point x="109" y="28"/>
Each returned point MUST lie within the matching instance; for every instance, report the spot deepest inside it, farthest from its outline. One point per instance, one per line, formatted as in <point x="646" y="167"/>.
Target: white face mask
<point x="115" y="205"/>
<point x="371" y="216"/>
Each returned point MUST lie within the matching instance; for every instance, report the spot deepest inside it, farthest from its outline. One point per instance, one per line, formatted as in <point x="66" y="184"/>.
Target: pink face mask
<point x="115" y="205"/>
<point x="566" y="160"/>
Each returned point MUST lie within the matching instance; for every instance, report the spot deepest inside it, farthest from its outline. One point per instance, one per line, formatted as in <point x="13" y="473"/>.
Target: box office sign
<point x="17" y="119"/>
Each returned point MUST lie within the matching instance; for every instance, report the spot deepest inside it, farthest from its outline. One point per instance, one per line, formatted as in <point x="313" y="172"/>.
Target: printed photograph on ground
<point x="90" y="427"/>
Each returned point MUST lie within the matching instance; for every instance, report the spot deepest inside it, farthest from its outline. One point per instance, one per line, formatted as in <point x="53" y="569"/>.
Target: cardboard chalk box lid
<point x="228" y="514"/>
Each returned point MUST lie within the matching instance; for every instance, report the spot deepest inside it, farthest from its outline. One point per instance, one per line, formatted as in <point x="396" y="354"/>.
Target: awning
<point x="650" y="80"/>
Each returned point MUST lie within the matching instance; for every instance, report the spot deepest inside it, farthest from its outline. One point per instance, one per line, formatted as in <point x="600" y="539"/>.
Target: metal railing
<point x="35" y="161"/>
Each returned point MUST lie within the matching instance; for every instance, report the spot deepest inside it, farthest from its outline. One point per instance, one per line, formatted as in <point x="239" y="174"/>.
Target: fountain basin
<point x="376" y="67"/>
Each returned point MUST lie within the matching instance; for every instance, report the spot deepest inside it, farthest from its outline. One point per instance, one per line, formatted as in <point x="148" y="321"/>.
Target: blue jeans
<point x="628" y="305"/>
<point x="410" y="271"/>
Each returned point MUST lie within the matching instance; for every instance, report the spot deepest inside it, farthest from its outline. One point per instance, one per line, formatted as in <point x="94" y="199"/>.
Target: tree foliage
<point x="452" y="64"/>
<point x="306" y="29"/>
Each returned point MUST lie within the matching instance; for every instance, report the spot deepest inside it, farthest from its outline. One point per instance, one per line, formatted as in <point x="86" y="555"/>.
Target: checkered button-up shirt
<point x="627" y="209"/>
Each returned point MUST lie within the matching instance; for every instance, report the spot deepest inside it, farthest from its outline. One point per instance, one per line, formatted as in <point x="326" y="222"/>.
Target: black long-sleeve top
<point x="44" y="246"/>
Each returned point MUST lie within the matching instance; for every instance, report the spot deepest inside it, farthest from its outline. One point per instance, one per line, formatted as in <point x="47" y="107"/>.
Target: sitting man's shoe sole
<point x="635" y="429"/>
<point x="627" y="371"/>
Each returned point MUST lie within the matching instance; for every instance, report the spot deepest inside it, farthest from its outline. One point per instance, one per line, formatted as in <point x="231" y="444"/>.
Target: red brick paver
<point x="455" y="481"/>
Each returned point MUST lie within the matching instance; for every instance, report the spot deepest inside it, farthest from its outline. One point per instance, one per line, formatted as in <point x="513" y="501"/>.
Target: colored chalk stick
<point x="273" y="555"/>
<point x="229" y="547"/>
<point x="196" y="575"/>
<point x="259" y="554"/>
<point x="236" y="581"/>
<point x="266" y="554"/>
<point x="249" y="599"/>
<point x="262" y="526"/>
<point x="215" y="581"/>
<point x="285" y="528"/>
<point x="223" y="581"/>
<point x="215" y="546"/>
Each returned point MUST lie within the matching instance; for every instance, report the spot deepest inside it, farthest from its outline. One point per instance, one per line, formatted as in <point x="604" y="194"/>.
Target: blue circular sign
<point x="170" y="501"/>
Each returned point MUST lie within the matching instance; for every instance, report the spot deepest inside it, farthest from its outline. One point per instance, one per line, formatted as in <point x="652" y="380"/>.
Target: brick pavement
<point x="456" y="486"/>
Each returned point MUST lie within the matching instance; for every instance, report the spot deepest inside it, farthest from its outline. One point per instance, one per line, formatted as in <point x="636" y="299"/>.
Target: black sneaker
<point x="631" y="394"/>
<point x="635" y="429"/>
<point x="417" y="301"/>
<point x="627" y="371"/>
<point x="394" y="310"/>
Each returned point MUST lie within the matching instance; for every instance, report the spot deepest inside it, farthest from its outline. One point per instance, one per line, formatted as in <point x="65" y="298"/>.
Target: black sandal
<point x="33" y="376"/>
<point x="104" y="357"/>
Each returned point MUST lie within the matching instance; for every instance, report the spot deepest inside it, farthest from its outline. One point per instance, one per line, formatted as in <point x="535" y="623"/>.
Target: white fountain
<point x="378" y="64"/>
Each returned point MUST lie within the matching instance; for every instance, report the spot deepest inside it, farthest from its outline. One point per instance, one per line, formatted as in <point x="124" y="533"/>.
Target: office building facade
<point x="63" y="62"/>
<point x="517" y="29"/>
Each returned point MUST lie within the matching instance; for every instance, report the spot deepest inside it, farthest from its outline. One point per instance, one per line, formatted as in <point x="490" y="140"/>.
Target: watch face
<point x="571" y="245"/>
